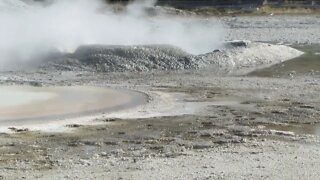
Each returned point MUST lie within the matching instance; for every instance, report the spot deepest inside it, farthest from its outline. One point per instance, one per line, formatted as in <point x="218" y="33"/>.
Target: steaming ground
<point x="197" y="125"/>
<point x="33" y="30"/>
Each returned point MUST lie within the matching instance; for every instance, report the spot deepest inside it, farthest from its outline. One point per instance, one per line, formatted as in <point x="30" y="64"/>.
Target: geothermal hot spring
<point x="22" y="104"/>
<point x="34" y="29"/>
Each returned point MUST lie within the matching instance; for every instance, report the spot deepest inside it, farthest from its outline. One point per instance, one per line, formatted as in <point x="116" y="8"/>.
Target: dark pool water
<point x="309" y="63"/>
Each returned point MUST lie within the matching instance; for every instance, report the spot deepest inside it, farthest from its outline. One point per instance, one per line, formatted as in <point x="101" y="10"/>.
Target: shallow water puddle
<point x="19" y="104"/>
<point x="300" y="129"/>
<point x="14" y="97"/>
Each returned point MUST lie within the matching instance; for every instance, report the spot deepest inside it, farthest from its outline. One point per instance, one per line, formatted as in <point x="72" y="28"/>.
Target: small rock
<point x="110" y="119"/>
<point x="35" y="84"/>
<point x="103" y="154"/>
<point x="307" y="107"/>
<point x="282" y="133"/>
<point x="202" y="146"/>
<point x="18" y="130"/>
<point x="73" y="125"/>
<point x="111" y="143"/>
<point x="85" y="162"/>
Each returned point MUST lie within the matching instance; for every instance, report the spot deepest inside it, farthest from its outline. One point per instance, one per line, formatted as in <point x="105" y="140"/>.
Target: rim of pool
<point x="21" y="105"/>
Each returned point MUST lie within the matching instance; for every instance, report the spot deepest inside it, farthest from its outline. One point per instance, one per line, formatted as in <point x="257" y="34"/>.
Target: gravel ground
<point x="292" y="29"/>
<point x="244" y="127"/>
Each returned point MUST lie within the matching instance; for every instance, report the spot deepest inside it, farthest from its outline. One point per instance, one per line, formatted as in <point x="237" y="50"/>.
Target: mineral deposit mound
<point x="144" y="58"/>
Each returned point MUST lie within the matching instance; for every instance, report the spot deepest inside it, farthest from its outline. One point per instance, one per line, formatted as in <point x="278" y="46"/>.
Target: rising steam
<point x="29" y="30"/>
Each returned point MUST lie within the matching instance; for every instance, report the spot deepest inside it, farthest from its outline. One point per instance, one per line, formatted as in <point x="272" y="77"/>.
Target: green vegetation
<point x="211" y="11"/>
<point x="285" y="10"/>
<point x="263" y="10"/>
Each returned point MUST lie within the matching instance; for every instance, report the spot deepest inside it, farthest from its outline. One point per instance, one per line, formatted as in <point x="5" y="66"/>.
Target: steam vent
<point x="159" y="89"/>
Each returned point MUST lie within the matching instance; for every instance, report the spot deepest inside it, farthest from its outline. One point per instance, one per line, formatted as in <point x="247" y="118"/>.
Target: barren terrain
<point x="198" y="124"/>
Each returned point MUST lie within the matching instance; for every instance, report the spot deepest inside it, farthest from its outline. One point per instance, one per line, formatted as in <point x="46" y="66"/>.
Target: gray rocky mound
<point x="247" y="56"/>
<point x="233" y="56"/>
<point x="108" y="58"/>
<point x="135" y="58"/>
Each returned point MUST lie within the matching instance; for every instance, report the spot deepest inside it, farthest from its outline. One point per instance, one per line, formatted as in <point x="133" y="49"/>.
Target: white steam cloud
<point x="29" y="30"/>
